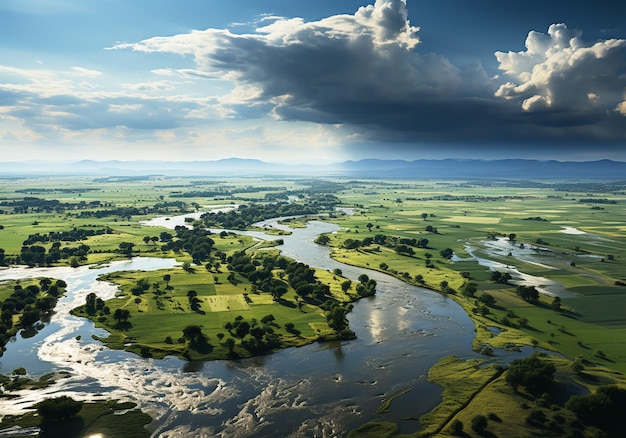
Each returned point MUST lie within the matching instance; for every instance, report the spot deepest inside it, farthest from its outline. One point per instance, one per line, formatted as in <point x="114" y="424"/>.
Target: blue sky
<point x="292" y="81"/>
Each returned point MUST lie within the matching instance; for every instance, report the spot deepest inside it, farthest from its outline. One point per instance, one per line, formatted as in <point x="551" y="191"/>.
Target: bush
<point x="603" y="409"/>
<point x="536" y="418"/>
<point x="59" y="408"/>
<point x="479" y="423"/>
<point x="532" y="372"/>
<point x="456" y="427"/>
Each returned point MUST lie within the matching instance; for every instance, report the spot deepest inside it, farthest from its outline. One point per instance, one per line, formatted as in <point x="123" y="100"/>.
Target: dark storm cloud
<point x="365" y="71"/>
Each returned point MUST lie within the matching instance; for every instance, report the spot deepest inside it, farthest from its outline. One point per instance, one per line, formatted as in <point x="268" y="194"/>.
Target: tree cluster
<point x="602" y="409"/>
<point x="401" y="245"/>
<point x="59" y="408"/>
<point x="528" y="293"/>
<point x="500" y="277"/>
<point x="73" y="235"/>
<point x="247" y="215"/>
<point x="30" y="204"/>
<point x="195" y="241"/>
<point x="36" y="255"/>
<point x="534" y="373"/>
<point x="128" y="212"/>
<point x="261" y="338"/>
<point x="32" y="302"/>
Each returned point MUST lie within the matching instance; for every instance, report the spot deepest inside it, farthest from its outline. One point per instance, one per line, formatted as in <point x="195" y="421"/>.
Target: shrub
<point x="532" y="372"/>
<point x="59" y="408"/>
<point x="479" y="423"/>
<point x="603" y="409"/>
<point x="456" y="427"/>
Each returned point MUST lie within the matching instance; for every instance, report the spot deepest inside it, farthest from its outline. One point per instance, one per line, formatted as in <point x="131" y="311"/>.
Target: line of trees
<point x="247" y="215"/>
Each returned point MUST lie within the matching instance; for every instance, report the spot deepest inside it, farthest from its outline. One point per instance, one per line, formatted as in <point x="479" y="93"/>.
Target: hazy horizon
<point x="287" y="81"/>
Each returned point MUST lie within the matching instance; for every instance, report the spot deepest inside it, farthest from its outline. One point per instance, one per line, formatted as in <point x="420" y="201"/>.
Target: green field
<point x="566" y="237"/>
<point x="164" y="311"/>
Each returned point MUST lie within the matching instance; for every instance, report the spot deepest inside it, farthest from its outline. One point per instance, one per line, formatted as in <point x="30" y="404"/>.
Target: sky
<point x="301" y="82"/>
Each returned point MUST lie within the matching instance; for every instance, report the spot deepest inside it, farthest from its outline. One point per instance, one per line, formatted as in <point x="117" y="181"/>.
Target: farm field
<point x="566" y="243"/>
<point x="563" y="240"/>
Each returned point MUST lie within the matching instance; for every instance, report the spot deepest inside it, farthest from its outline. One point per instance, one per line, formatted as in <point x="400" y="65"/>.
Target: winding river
<point x="323" y="389"/>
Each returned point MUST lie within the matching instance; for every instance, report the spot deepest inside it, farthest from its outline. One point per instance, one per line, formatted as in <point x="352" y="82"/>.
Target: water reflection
<point x="322" y="389"/>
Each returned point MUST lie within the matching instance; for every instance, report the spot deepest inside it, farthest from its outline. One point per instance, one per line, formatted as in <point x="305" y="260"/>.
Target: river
<point x="323" y="389"/>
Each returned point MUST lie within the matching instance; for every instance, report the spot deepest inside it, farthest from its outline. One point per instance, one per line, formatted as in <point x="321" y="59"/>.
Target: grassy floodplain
<point x="159" y="316"/>
<point x="565" y="238"/>
<point x="572" y="234"/>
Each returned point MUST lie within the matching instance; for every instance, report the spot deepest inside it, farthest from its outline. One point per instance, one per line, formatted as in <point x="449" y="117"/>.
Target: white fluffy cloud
<point x="364" y="72"/>
<point x="360" y="69"/>
<point x="560" y="71"/>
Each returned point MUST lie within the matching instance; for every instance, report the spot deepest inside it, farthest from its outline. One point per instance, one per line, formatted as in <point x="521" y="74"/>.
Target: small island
<point x="252" y="305"/>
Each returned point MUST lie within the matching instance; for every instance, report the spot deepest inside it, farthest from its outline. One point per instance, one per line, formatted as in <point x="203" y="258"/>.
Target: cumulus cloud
<point x="364" y="71"/>
<point x="560" y="71"/>
<point x="361" y="68"/>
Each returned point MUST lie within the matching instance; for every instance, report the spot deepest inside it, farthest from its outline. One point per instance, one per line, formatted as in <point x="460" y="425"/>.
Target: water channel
<point x="323" y="389"/>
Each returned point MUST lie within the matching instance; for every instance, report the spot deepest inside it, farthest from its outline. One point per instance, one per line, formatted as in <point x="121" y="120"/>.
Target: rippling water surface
<point x="323" y="389"/>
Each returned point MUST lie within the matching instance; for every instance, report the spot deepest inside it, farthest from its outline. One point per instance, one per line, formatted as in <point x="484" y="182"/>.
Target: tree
<point x="469" y="289"/>
<point x="456" y="427"/>
<point x="230" y="343"/>
<point x="59" y="408"/>
<point x="479" y="423"/>
<point x="121" y="315"/>
<point x="29" y="317"/>
<point x="74" y="262"/>
<point x="268" y="319"/>
<point x="193" y="333"/>
<point x="90" y="303"/>
<point x="512" y="237"/>
<point x="528" y="293"/>
<point x="45" y="283"/>
<point x="603" y="409"/>
<point x="532" y="372"/>
<point x="556" y="304"/>
<point x="577" y="365"/>
<point x="345" y="285"/>
<point x="126" y="248"/>
<point x="424" y="216"/>
<point x="487" y="299"/>
<point x="242" y="329"/>
<point x="446" y="253"/>
<point x="369" y="226"/>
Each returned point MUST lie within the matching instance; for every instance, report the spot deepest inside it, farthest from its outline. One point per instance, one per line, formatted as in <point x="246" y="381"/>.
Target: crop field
<point x="565" y="239"/>
<point x="573" y="238"/>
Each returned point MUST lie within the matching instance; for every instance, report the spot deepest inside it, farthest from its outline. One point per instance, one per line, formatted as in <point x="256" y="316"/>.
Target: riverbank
<point x="95" y="419"/>
<point x="474" y="387"/>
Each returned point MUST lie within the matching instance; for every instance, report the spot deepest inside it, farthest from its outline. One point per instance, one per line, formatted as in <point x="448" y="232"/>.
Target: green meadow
<point x="159" y="316"/>
<point x="579" y="243"/>
<point x="567" y="237"/>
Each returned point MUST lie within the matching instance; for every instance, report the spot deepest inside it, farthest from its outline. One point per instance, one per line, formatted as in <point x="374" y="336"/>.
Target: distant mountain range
<point x="368" y="168"/>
